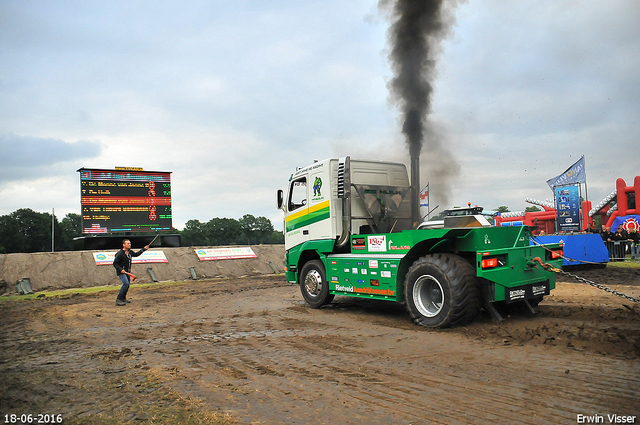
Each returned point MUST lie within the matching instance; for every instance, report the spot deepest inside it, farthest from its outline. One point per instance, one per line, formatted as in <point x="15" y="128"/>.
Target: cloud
<point x="232" y="96"/>
<point x="27" y="157"/>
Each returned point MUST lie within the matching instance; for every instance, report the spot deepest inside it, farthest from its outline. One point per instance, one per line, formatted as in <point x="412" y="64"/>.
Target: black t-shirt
<point x="122" y="261"/>
<point x="621" y="235"/>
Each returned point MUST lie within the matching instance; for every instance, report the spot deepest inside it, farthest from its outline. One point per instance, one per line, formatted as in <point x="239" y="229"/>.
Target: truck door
<point x="319" y="207"/>
<point x="297" y="210"/>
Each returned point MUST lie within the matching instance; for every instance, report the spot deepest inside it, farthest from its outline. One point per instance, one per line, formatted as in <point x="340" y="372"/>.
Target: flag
<point x="424" y="196"/>
<point x="574" y="174"/>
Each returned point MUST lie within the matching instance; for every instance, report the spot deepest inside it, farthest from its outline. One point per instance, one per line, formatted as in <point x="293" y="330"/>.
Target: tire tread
<point x="466" y="298"/>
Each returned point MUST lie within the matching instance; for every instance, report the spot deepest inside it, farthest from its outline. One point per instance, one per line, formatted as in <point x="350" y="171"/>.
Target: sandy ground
<point x="250" y="351"/>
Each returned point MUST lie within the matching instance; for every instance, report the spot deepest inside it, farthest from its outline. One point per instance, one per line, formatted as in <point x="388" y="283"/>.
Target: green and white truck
<point x="350" y="229"/>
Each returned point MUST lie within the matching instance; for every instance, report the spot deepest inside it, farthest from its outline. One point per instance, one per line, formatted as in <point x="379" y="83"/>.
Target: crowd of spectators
<point x="620" y="235"/>
<point x="619" y="243"/>
<point x="627" y="242"/>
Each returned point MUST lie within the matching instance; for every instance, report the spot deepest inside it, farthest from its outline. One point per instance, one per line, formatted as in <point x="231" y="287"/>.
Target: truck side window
<point x="298" y="194"/>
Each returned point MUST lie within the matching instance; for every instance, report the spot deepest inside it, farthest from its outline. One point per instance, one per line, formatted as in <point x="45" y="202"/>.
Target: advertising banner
<point x="568" y="208"/>
<point x="231" y="253"/>
<point x="105" y="258"/>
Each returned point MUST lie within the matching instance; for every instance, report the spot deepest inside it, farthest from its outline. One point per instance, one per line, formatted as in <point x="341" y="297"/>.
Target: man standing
<point x="621" y="234"/>
<point x="606" y="233"/>
<point x="606" y="237"/>
<point x="122" y="263"/>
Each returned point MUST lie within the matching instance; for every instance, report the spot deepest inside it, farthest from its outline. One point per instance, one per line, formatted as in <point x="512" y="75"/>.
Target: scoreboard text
<point x="125" y="201"/>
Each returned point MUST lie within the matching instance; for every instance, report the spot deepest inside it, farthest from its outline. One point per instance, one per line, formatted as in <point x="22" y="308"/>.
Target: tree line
<point x="25" y="230"/>
<point x="248" y="230"/>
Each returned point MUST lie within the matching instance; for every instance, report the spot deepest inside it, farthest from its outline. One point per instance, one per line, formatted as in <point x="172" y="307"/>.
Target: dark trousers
<point x="122" y="295"/>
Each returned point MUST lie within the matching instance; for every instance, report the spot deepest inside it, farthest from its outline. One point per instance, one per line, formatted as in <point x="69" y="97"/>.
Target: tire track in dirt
<point x="257" y="351"/>
<point x="512" y="386"/>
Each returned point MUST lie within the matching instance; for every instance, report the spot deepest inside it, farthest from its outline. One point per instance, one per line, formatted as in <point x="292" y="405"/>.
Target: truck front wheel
<point x="313" y="284"/>
<point x="441" y="290"/>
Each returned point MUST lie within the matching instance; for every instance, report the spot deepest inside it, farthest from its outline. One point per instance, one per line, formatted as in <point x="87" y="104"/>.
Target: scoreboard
<point x="125" y="200"/>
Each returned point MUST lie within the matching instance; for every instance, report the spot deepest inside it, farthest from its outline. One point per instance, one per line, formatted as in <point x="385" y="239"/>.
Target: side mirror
<point x="280" y="198"/>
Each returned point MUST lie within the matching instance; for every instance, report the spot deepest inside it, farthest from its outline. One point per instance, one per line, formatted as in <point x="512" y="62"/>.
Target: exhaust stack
<point x="416" y="219"/>
<point x="344" y="192"/>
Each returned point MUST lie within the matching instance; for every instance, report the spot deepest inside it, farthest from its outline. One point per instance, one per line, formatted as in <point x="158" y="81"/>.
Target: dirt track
<point x="250" y="351"/>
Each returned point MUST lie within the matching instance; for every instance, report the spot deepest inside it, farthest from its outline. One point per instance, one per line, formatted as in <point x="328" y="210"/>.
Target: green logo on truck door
<point x="317" y="184"/>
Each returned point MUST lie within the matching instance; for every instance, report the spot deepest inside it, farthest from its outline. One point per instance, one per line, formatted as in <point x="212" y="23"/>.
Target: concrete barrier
<point x="77" y="269"/>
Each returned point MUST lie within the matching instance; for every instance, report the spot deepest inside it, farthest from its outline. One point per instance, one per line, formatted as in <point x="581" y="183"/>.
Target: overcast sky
<point x="231" y="96"/>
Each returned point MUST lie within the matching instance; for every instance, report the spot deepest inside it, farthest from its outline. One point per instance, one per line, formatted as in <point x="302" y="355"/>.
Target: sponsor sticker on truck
<point x="526" y="292"/>
<point x="377" y="243"/>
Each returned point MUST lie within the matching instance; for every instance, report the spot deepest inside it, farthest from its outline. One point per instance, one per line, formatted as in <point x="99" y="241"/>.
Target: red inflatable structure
<point x="620" y="207"/>
<point x="625" y="211"/>
<point x="544" y="220"/>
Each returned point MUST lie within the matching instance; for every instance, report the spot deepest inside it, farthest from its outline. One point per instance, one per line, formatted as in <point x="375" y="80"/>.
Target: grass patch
<point x="63" y="293"/>
<point x="628" y="264"/>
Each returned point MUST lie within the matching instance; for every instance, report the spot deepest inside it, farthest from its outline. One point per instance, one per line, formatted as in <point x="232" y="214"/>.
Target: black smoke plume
<point x="417" y="30"/>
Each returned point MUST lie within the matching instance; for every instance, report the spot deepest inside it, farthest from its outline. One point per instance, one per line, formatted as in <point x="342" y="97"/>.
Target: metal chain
<point x="582" y="279"/>
<point x="599" y="286"/>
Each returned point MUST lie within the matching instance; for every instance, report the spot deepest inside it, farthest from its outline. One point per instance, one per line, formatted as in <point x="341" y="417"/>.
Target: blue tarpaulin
<point x="587" y="247"/>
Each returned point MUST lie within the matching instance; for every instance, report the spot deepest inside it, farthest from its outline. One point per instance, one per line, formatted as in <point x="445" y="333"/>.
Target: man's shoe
<point x="127" y="301"/>
<point x="120" y="302"/>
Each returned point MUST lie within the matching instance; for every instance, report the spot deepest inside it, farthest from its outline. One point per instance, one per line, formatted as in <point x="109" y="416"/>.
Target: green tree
<point x="10" y="236"/>
<point x="255" y="230"/>
<point x="502" y="209"/>
<point x="223" y="231"/>
<point x="69" y="228"/>
<point x="264" y="230"/>
<point x="248" y="226"/>
<point x="532" y="209"/>
<point x="276" y="237"/>
<point x="25" y="230"/>
<point x="193" y="234"/>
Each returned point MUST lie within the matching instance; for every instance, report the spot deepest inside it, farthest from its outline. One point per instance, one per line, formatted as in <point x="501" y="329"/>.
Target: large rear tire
<point x="313" y="284"/>
<point x="441" y="290"/>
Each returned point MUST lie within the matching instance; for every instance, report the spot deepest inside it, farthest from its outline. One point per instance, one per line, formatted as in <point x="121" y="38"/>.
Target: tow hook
<point x="546" y="266"/>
